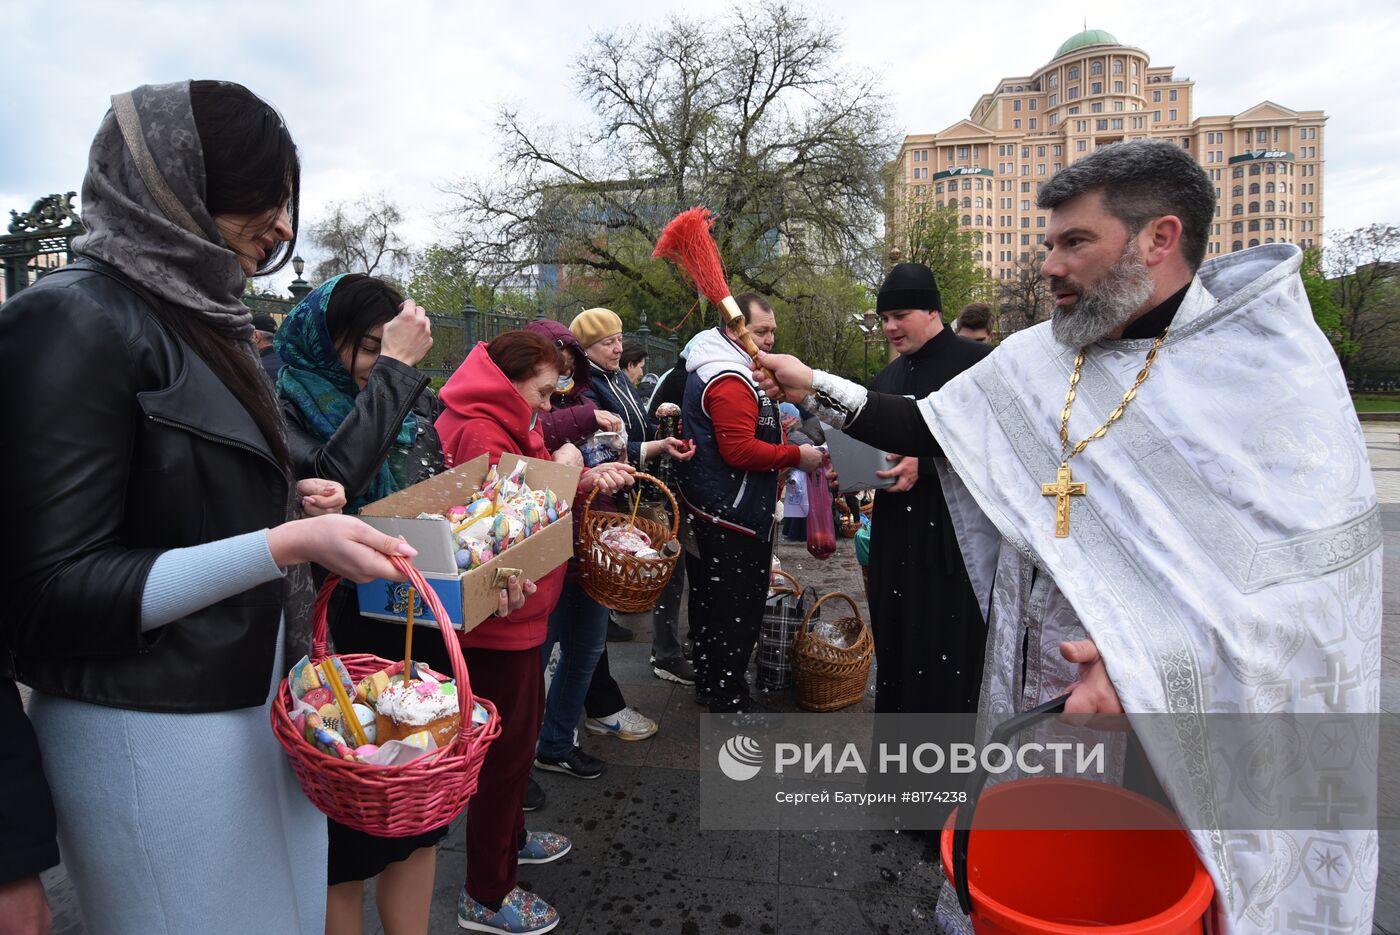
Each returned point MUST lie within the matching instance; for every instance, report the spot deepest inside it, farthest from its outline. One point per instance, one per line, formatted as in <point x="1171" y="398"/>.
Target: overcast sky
<point x="400" y="97"/>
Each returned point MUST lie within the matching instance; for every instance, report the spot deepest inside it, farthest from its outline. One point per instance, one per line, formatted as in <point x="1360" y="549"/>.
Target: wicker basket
<point x="829" y="677"/>
<point x="846" y="524"/>
<point x="618" y="581"/>
<point x="390" y="801"/>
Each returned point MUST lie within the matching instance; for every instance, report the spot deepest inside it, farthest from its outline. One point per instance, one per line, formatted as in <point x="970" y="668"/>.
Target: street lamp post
<point x="470" y="315"/>
<point x="298" y="287"/>
<point x="869" y="325"/>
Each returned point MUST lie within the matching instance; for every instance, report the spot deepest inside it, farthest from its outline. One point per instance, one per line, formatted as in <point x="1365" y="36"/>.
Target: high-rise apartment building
<point x="1266" y="162"/>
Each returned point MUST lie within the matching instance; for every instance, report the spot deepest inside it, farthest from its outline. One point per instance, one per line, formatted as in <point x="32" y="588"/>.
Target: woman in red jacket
<point x="491" y="404"/>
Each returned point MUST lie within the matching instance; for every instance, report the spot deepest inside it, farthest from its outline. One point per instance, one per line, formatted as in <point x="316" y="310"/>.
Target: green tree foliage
<point x="440" y="280"/>
<point x="1363" y="269"/>
<point x="815" y="322"/>
<point x="1322" y="298"/>
<point x="934" y="237"/>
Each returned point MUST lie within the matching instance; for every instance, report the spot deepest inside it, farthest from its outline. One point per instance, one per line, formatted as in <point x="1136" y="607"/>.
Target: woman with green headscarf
<point x="361" y="413"/>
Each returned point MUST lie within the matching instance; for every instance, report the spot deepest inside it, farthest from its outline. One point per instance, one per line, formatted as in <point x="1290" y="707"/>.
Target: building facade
<point x="1266" y="162"/>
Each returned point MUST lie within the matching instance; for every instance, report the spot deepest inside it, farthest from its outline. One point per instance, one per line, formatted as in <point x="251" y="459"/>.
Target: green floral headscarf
<point x="316" y="382"/>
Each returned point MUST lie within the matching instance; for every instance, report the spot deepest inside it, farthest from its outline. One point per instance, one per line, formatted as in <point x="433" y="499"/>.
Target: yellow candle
<point x="342" y="700"/>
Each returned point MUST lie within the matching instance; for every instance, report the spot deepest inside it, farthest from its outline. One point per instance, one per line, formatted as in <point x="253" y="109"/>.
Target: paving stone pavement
<point x="1383" y="448"/>
<point x="641" y="864"/>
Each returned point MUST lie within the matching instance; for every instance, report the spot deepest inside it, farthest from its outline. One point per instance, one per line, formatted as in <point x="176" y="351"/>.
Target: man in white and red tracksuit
<point x="730" y="490"/>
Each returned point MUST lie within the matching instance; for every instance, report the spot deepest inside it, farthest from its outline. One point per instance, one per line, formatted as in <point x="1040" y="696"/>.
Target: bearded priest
<point x="1166" y="509"/>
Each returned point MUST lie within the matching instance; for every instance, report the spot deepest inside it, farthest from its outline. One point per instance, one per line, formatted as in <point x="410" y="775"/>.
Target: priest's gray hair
<point x="1142" y="180"/>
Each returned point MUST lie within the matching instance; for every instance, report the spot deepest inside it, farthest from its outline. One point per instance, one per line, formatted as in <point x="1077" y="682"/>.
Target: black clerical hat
<point x="909" y="285"/>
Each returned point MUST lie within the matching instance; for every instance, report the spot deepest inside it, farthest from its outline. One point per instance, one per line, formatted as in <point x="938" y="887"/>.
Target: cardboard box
<point x="469" y="597"/>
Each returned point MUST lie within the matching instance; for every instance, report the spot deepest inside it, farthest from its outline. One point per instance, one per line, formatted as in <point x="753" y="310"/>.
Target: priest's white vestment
<point x="1226" y="559"/>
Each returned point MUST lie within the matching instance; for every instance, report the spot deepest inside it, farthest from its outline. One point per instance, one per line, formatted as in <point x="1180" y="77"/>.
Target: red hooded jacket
<point x="484" y="413"/>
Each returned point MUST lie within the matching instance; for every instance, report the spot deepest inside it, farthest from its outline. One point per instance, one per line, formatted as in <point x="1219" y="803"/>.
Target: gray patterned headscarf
<point x="144" y="210"/>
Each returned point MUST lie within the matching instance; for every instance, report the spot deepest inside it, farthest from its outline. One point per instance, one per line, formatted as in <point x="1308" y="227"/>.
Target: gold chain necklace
<point x="1064" y="487"/>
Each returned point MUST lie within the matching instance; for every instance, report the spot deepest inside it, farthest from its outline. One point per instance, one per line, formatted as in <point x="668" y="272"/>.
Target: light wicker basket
<point x="618" y="581"/>
<point x="830" y="677"/>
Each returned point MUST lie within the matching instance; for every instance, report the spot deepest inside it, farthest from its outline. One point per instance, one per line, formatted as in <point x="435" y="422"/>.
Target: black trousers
<point x="604" y="694"/>
<point x="728" y="585"/>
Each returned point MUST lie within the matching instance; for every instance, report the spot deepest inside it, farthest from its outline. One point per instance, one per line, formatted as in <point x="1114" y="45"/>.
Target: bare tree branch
<point x="752" y="115"/>
<point x="359" y="238"/>
<point x="1024" y="299"/>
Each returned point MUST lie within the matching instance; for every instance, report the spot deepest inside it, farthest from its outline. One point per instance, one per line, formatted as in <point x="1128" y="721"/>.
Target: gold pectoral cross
<point x="1062" y="490"/>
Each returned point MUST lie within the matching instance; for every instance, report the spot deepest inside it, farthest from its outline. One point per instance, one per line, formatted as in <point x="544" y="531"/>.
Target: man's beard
<point x="1105" y="306"/>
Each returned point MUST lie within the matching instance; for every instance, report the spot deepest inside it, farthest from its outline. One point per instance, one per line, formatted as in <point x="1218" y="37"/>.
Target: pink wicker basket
<point x="390" y="801"/>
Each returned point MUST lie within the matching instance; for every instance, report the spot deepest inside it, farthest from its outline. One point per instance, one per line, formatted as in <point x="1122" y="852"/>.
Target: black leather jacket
<point x="352" y="455"/>
<point x="120" y="443"/>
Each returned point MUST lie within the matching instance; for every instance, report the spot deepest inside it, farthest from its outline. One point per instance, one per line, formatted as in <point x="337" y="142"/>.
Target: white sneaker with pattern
<point x="627" y="724"/>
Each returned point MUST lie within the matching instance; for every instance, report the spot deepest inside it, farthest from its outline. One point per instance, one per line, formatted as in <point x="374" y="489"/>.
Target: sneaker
<point x="626" y="724"/>
<point x="574" y="763"/>
<point x="521" y="913"/>
<point x="675" y="670"/>
<point x="534" y="796"/>
<point x="617" y="633"/>
<point x="542" y="847"/>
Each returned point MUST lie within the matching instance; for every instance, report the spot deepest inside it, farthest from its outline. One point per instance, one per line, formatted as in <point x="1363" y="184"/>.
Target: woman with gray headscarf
<point x="154" y="559"/>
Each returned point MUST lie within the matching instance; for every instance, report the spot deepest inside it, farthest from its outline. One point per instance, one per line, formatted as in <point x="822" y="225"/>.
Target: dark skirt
<point x="354" y="855"/>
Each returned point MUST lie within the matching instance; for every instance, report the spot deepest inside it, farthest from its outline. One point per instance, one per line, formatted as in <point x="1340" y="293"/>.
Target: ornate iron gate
<point x="39" y="241"/>
<point x="661" y="353"/>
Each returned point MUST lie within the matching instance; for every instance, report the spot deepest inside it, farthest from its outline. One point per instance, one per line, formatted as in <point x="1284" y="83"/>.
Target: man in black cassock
<point x="929" y="631"/>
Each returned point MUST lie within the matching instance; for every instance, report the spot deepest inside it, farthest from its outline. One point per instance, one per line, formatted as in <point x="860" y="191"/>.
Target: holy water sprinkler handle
<point x="735" y="319"/>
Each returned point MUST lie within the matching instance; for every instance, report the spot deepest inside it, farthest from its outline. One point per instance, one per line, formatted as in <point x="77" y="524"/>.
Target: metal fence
<point x="455" y="335"/>
<point x="1374" y="381"/>
<point x="275" y="306"/>
<point x="449" y="346"/>
<point x="661" y="352"/>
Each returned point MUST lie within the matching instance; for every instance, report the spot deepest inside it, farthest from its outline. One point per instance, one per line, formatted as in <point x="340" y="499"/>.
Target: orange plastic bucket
<point x="1087" y="873"/>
